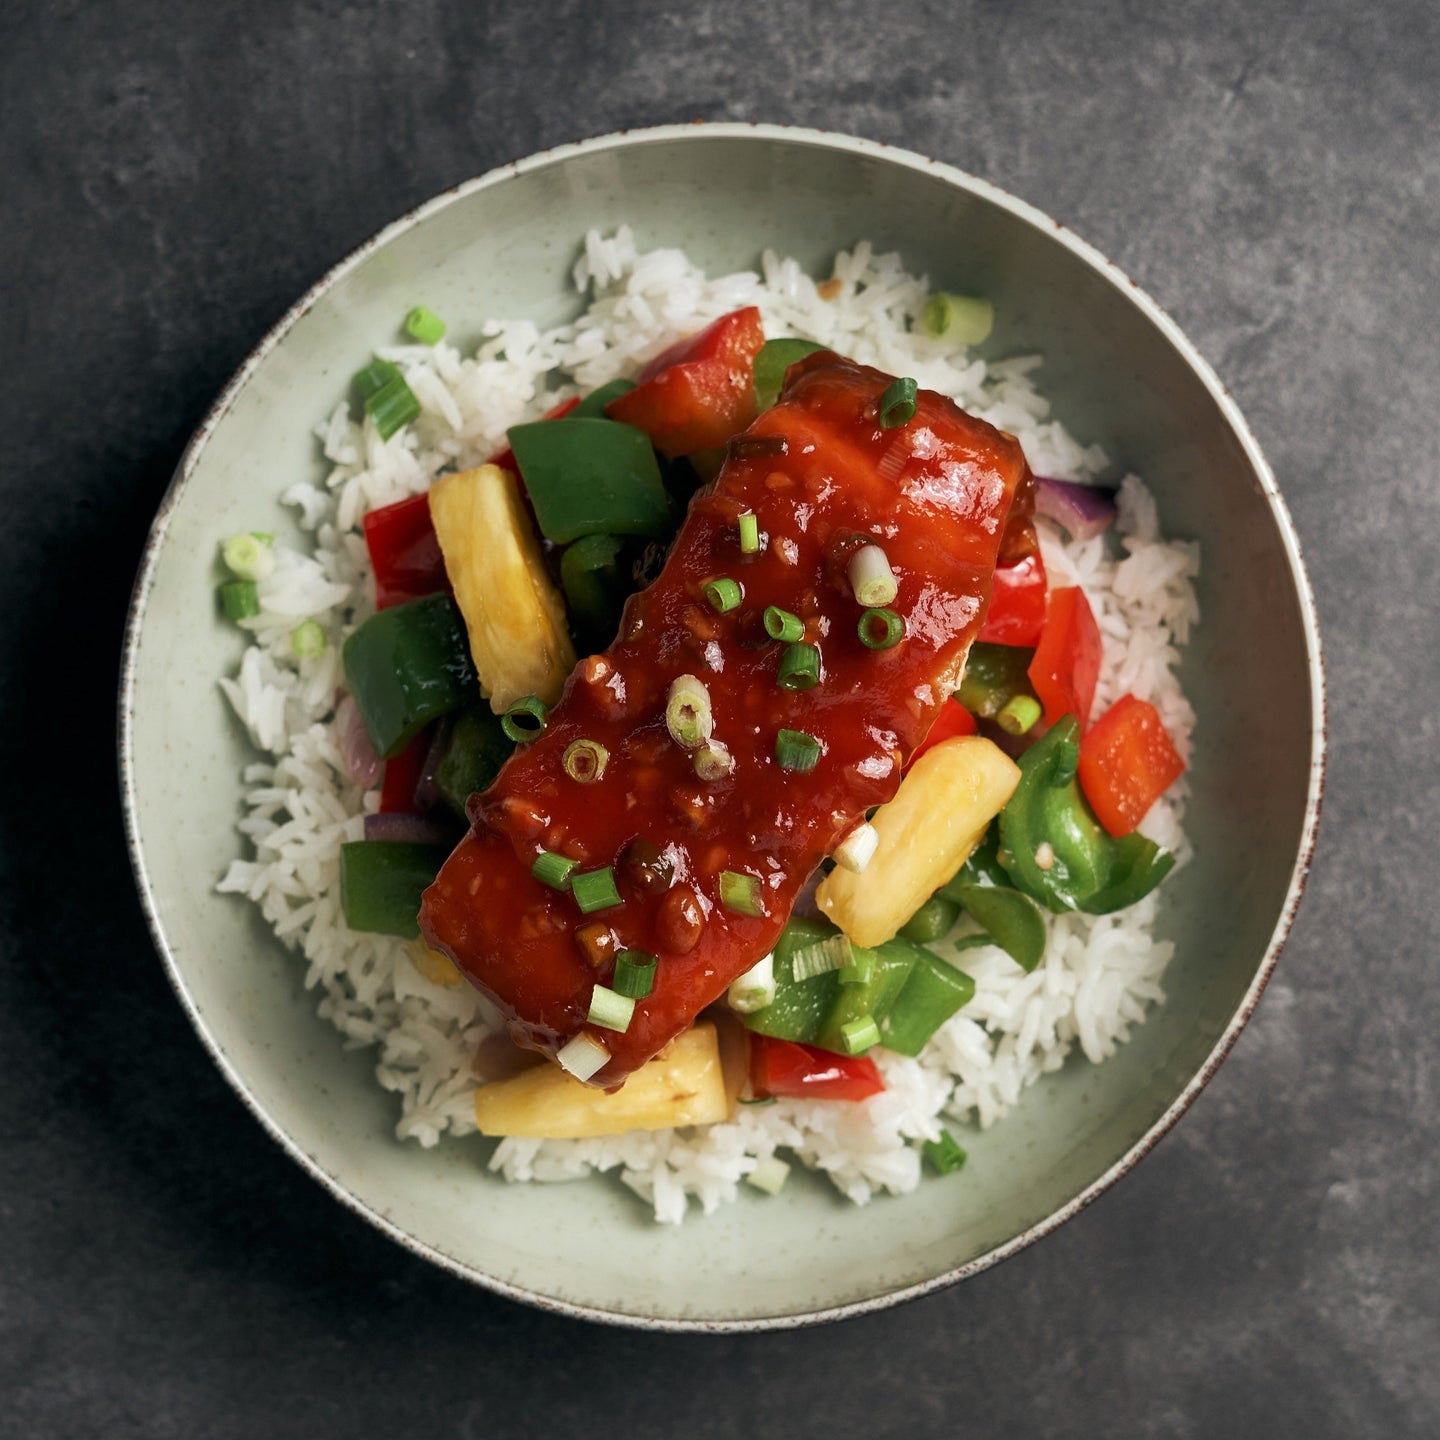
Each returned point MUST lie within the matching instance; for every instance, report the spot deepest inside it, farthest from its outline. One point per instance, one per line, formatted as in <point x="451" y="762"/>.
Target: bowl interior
<point x="1117" y="375"/>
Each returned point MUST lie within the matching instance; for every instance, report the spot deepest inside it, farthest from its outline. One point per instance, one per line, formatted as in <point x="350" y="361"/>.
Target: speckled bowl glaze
<point x="1119" y="372"/>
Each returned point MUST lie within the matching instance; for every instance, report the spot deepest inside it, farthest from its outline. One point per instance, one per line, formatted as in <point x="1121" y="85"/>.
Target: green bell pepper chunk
<point x="774" y="359"/>
<point x="891" y="965"/>
<point x="982" y="868"/>
<point x="932" y="921"/>
<point x="591" y="476"/>
<point x="407" y="666"/>
<point x="592" y="407"/>
<point x="932" y="993"/>
<point x="1088" y="870"/>
<point x="994" y="675"/>
<point x="800" y="1007"/>
<point x="475" y="749"/>
<point x="596" y="585"/>
<point x="1011" y="921"/>
<point x="381" y="882"/>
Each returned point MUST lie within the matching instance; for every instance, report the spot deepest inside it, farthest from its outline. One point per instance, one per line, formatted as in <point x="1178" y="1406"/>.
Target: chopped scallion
<point x="724" y="594"/>
<point x="240" y="599"/>
<point x="307" y="640"/>
<point x="856" y="849"/>
<point x="425" y="326"/>
<point x="880" y="629"/>
<point x="859" y="1035"/>
<point x="797" y="751"/>
<point x="755" y="989"/>
<point x="944" y="1154"/>
<point x="782" y="625"/>
<point x="769" y="1175"/>
<point x="553" y="870"/>
<point x="610" y="1010"/>
<point x="582" y="1056"/>
<point x="248" y="556"/>
<point x="634" y="974"/>
<point x="897" y="404"/>
<point x="524" y="720"/>
<point x="585" y="760"/>
<point x="871" y="578"/>
<point x="799" y="667"/>
<point x="1019" y="714"/>
<point x="965" y="319"/>
<point x="687" y="712"/>
<point x="594" y="890"/>
<point x="389" y="400"/>
<point x="832" y="953"/>
<point x="713" y="761"/>
<point x="749" y="533"/>
<point x="741" y="894"/>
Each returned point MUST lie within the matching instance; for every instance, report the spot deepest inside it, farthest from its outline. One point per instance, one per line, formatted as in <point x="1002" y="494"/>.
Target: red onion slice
<point x="1082" y="511"/>
<point x="362" y="764"/>
<point x="408" y="829"/>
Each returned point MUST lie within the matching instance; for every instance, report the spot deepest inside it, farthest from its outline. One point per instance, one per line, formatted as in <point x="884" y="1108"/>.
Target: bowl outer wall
<point x="1121" y="374"/>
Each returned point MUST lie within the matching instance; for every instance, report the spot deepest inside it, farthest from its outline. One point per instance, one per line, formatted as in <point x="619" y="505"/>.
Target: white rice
<point x="1100" y="975"/>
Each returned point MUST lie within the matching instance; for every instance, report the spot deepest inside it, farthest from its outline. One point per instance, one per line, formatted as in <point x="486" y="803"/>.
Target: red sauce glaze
<point x="935" y="494"/>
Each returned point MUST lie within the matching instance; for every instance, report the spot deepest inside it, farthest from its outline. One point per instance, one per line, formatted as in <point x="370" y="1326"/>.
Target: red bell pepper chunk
<point x="1067" y="660"/>
<point x="506" y="458"/>
<point x="700" y="393"/>
<point x="404" y="552"/>
<point x="783" y="1068"/>
<point x="1127" y="761"/>
<point x="953" y="719"/>
<point x="402" y="775"/>
<point x="1017" y="604"/>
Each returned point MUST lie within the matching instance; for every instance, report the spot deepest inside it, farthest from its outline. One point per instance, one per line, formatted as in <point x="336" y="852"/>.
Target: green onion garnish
<point x="965" y="319"/>
<point x="307" y="640"/>
<point x="240" y="599"/>
<point x="897" y="404"/>
<point x="782" y="625"/>
<point x="389" y="401"/>
<point x="880" y="629"/>
<point x="871" y="578"/>
<point x="713" y="761"/>
<point x="425" y="326"/>
<point x="856" y="849"/>
<point x="1019" y="714"/>
<point x="687" y="712"/>
<point x="834" y="952"/>
<point x="755" y="989"/>
<point x="799" y="668"/>
<point x="749" y="533"/>
<point x="585" y="760"/>
<point x="248" y="556"/>
<point x="524" y="720"/>
<point x="769" y="1175"/>
<point x="944" y="1154"/>
<point x="610" y="1010"/>
<point x="859" y="1035"/>
<point x="797" y="751"/>
<point x="724" y="594"/>
<point x="740" y="894"/>
<point x="634" y="974"/>
<point x="594" y="890"/>
<point x="553" y="870"/>
<point x="582" y="1056"/>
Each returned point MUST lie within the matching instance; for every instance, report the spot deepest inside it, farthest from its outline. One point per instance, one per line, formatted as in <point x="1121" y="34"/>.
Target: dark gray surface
<point x="172" y="182"/>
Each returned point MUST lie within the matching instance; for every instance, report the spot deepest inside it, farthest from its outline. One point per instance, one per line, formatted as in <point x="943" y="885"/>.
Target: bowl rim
<point x="790" y="135"/>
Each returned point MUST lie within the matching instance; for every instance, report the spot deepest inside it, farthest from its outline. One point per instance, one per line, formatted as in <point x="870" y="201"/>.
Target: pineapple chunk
<point x="683" y="1085"/>
<point x="514" y="615"/>
<point x="938" y="816"/>
<point x="438" y="969"/>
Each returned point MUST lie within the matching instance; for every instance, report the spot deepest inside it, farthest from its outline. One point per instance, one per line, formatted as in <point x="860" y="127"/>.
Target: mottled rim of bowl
<point x="798" y="136"/>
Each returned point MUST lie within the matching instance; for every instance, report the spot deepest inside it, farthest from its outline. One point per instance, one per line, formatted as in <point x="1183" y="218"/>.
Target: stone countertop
<point x="1270" y="174"/>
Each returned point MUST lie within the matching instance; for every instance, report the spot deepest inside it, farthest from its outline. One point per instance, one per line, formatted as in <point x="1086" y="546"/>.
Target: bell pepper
<point x="774" y="359"/>
<point x="402" y="775"/>
<point x="596" y="582"/>
<point x="1067" y="659"/>
<point x="1017" y="604"/>
<point x="953" y="719"/>
<point x="1053" y="848"/>
<point x="1009" y="918"/>
<point x="783" y="1068"/>
<point x="873" y="995"/>
<point x="592" y="407"/>
<point x="699" y="393"/>
<point x="932" y="921"/>
<point x="474" y="750"/>
<point x="800" y="1007"/>
<point x="932" y="993"/>
<point x="1127" y="761"/>
<point x="404" y="553"/>
<point x="506" y="457"/>
<point x="381" y="882"/>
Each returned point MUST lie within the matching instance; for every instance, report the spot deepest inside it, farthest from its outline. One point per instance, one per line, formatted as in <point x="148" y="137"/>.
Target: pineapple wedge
<point x="514" y="616"/>
<point x="683" y="1085"/>
<point x="938" y="816"/>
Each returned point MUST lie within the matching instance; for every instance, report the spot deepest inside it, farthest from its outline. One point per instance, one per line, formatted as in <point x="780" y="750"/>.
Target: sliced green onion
<point x="425" y="326"/>
<point x="248" y="556"/>
<point x="897" y="404"/>
<point x="963" y="318"/>
<point x="595" y="890"/>
<point x="609" y="1010"/>
<point x="749" y="533"/>
<point x="634" y="974"/>
<point x="755" y="989"/>
<point x="1019" y="714"/>
<point x="263" y="536"/>
<point x="797" y="751"/>
<point x="687" y="712"/>
<point x="799" y="667"/>
<point x="724" y="594"/>
<point x="871" y="578"/>
<point x="880" y="629"/>
<point x="713" y="761"/>
<point x="769" y="1175"/>
<point x="239" y="599"/>
<point x="854" y="852"/>
<point x="861" y="969"/>
<point x="582" y="1056"/>
<point x="740" y="893"/>
<point x="307" y="640"/>
<point x="782" y="625"/>
<point x="859" y="1035"/>
<point x="389" y="400"/>
<point x="585" y="760"/>
<point x="554" y="870"/>
<point x="820" y="958"/>
<point x="944" y="1154"/>
<point x="524" y="720"/>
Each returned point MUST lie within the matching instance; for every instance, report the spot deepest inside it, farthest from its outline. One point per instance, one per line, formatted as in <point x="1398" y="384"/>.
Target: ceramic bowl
<point x="1119" y="372"/>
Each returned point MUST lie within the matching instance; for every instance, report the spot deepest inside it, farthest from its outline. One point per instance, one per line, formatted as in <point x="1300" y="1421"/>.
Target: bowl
<point x="1120" y="373"/>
